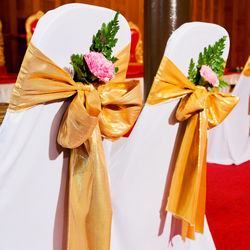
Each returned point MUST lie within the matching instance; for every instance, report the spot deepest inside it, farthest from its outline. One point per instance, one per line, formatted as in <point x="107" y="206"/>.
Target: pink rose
<point x="100" y="66"/>
<point x="208" y="74"/>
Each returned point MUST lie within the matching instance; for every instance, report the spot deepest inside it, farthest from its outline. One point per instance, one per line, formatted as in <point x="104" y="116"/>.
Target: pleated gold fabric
<point x="3" y="109"/>
<point x="246" y="70"/>
<point x="108" y="109"/>
<point x="202" y="110"/>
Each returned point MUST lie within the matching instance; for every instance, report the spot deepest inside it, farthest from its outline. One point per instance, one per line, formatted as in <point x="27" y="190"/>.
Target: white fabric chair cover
<point x="229" y="143"/>
<point x="33" y="173"/>
<point x="140" y="169"/>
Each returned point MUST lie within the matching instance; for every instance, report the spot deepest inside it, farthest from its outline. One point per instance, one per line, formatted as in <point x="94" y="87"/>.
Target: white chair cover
<point x="229" y="143"/>
<point x="33" y="173"/>
<point x="140" y="171"/>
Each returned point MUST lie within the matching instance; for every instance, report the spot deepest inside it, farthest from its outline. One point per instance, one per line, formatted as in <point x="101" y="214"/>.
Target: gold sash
<point x="202" y="110"/>
<point x="108" y="109"/>
<point x="246" y="70"/>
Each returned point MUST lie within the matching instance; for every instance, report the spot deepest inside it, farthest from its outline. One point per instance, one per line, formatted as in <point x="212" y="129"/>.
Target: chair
<point x="2" y="59"/>
<point x="7" y="80"/>
<point x="135" y="67"/>
<point x="141" y="170"/>
<point x="30" y="24"/>
<point x="34" y="168"/>
<point x="3" y="105"/>
<point x="136" y="53"/>
<point x="229" y="143"/>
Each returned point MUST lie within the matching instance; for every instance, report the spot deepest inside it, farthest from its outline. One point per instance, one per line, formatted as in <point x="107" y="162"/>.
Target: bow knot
<point x="84" y="87"/>
<point x="192" y="103"/>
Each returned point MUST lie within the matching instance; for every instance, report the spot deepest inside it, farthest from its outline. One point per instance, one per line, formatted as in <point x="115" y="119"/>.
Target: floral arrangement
<point x="210" y="67"/>
<point x="98" y="65"/>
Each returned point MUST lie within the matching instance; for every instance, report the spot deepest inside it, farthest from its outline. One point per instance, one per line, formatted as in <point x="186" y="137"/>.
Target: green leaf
<point x="77" y="61"/>
<point x="81" y="70"/>
<point x="210" y="89"/>
<point x="222" y="83"/>
<point x="192" y="72"/>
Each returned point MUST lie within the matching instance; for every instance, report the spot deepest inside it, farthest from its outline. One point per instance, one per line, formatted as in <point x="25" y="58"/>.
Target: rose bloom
<point x="100" y="66"/>
<point x="208" y="74"/>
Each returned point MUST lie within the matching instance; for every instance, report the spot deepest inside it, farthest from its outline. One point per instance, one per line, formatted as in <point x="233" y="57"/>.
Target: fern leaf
<point x="104" y="40"/>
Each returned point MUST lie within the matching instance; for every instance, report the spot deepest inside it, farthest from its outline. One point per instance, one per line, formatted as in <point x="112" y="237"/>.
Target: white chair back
<point x="33" y="173"/>
<point x="141" y="170"/>
<point x="229" y="143"/>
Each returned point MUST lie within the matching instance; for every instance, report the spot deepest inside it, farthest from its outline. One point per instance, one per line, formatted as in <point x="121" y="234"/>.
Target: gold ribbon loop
<point x="219" y="105"/>
<point x="114" y="105"/>
<point x="202" y="110"/>
<point x="120" y="107"/>
<point x="80" y="119"/>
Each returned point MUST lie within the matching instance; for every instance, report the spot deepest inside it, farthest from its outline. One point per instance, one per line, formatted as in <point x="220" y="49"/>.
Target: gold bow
<point x="202" y="110"/>
<point x="109" y="109"/>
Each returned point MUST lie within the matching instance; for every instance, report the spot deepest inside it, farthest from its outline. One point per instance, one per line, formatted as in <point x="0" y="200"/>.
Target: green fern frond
<point x="211" y="56"/>
<point x="104" y="40"/>
<point x="192" y="72"/>
<point x="222" y="84"/>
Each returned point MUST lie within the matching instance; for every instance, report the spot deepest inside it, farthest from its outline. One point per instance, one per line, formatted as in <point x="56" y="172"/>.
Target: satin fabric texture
<point x="200" y="110"/>
<point x="246" y="70"/>
<point x="95" y="110"/>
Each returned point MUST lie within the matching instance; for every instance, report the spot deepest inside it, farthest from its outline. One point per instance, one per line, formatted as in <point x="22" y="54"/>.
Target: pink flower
<point x="100" y="66"/>
<point x="209" y="75"/>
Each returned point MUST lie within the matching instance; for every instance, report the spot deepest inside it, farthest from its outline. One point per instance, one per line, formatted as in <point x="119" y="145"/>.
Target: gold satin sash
<point x="202" y="110"/>
<point x="108" y="109"/>
<point x="246" y="70"/>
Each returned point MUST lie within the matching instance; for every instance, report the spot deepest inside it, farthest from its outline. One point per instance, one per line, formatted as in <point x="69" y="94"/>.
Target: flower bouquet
<point x="98" y="65"/>
<point x="210" y="67"/>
